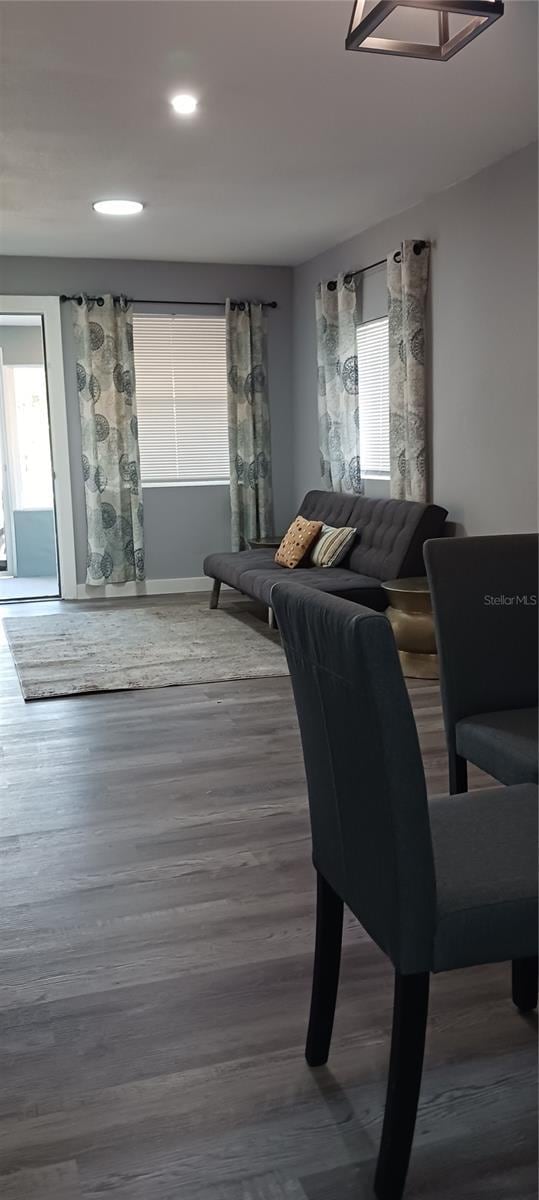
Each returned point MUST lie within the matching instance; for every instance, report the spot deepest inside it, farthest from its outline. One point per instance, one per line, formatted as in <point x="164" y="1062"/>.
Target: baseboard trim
<point x="150" y="587"/>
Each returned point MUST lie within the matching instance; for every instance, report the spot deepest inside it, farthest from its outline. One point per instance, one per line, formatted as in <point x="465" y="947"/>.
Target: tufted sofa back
<point x="391" y="533"/>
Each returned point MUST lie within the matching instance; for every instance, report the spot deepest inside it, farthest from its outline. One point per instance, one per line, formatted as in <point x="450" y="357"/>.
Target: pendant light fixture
<point x="434" y="29"/>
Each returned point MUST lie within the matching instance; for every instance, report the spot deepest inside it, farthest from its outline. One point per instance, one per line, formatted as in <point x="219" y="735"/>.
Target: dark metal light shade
<point x="481" y="14"/>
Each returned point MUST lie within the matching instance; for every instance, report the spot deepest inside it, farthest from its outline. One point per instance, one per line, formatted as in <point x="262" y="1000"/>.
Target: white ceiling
<point x="297" y="144"/>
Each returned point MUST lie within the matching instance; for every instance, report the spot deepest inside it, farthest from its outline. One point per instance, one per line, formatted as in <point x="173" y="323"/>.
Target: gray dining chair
<point x="484" y="598"/>
<point x="437" y="885"/>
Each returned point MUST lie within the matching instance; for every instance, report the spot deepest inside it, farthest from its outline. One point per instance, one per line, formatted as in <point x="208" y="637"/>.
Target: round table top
<point x="419" y="584"/>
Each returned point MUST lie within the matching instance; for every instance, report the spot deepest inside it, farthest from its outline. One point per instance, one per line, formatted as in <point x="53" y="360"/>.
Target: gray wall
<point x="182" y="523"/>
<point x="484" y="368"/>
<point x="483" y="317"/>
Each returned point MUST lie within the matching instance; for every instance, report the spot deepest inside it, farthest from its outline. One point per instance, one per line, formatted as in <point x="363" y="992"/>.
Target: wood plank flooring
<point x="156" y="931"/>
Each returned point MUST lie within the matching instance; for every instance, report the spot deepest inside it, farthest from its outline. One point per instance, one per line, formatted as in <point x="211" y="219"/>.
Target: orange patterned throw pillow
<point x="297" y="541"/>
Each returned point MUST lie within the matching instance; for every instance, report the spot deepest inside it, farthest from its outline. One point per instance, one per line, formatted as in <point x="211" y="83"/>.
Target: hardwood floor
<point x="156" y="914"/>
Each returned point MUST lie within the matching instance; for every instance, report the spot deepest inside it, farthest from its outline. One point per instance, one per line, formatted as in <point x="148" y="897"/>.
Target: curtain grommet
<point x="332" y="285"/>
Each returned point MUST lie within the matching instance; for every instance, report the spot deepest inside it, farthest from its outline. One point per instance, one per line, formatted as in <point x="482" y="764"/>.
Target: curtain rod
<point x="361" y="270"/>
<point x="332" y="284"/>
<point x="191" y="303"/>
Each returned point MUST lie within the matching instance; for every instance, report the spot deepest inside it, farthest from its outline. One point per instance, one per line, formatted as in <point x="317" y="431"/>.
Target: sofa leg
<point x="214" y="598"/>
<point x="272" y="623"/>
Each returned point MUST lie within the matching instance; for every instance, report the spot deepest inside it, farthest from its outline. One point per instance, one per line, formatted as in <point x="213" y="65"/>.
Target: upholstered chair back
<point x="484" y="592"/>
<point x="367" y="796"/>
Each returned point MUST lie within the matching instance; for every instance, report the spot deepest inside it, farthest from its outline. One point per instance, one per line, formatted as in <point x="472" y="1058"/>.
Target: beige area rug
<point x="145" y="647"/>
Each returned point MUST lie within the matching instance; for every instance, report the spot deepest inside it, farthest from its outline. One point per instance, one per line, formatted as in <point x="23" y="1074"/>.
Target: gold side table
<point x="410" y="614"/>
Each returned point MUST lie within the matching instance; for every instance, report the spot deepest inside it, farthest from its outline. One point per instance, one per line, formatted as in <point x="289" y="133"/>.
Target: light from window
<point x="373" y="384"/>
<point x="27" y="430"/>
<point x="181" y="385"/>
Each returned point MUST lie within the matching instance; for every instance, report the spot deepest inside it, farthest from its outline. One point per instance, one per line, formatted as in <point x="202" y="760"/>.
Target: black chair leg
<point x="214" y="598"/>
<point x="458" y="774"/>
<point x="405" y="1067"/>
<point x="327" y="961"/>
<point x="524" y="980"/>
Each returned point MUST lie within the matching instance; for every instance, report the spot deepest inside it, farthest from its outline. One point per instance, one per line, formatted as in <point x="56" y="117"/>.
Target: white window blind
<point x="180" y="366"/>
<point x="373" y="381"/>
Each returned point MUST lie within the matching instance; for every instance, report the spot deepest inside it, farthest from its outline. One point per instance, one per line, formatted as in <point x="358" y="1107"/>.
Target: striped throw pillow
<point x="332" y="545"/>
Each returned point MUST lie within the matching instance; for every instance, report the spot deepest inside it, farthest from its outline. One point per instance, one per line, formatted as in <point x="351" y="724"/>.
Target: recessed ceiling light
<point x="118" y="208"/>
<point x="184" y="104"/>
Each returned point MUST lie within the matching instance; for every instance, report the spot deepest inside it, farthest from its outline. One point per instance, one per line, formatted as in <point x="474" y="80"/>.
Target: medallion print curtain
<point x="110" y="452"/>
<point x="407" y="281"/>
<point x="249" y="429"/>
<point x="337" y="318"/>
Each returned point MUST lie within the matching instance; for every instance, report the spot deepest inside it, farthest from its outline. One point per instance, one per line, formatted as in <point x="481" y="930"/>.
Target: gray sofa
<point x="389" y="545"/>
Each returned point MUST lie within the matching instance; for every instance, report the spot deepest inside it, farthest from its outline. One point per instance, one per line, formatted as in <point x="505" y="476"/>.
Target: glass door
<point x="28" y="550"/>
<point x="6" y="520"/>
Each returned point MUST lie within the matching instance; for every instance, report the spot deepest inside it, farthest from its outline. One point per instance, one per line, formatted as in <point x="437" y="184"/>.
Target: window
<point x="180" y="365"/>
<point x="373" y="381"/>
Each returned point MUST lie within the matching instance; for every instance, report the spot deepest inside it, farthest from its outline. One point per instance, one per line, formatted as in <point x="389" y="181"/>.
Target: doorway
<point x="28" y="542"/>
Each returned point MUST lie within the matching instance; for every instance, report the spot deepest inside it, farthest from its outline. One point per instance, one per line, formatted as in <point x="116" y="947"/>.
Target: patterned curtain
<point x="337" y="317"/>
<point x="407" y="281"/>
<point x="249" y="423"/>
<point x="110" y="453"/>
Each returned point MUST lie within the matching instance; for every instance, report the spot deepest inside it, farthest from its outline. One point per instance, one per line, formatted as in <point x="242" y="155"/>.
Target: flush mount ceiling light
<point x="118" y="208"/>
<point x="434" y="29"/>
<point x="184" y="104"/>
